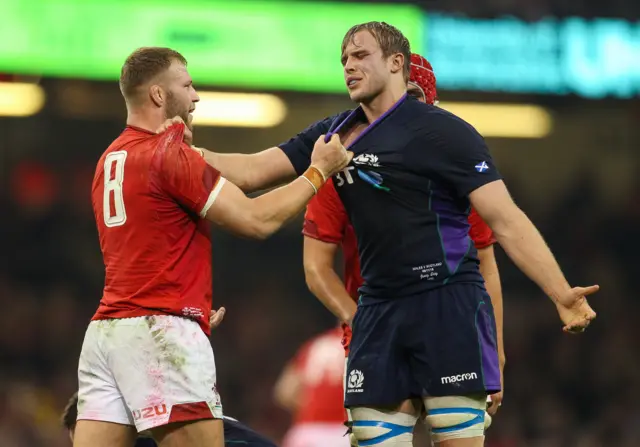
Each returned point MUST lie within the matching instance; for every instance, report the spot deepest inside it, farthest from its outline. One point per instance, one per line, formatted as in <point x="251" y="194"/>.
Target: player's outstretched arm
<point x="252" y="172"/>
<point x="323" y="281"/>
<point x="262" y="216"/>
<point x="526" y="247"/>
<point x="490" y="273"/>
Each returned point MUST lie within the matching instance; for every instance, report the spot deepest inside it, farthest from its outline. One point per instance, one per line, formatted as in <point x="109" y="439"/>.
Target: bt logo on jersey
<point x="346" y="172"/>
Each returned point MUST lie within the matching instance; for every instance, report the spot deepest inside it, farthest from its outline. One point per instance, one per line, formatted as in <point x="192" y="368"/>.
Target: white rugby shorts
<point x="148" y="372"/>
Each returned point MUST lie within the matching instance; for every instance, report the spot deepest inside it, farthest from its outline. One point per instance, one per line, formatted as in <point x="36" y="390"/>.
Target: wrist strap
<point x="315" y="177"/>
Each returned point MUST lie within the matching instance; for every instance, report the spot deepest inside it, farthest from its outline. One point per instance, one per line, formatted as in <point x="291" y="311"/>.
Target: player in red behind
<point x="311" y="388"/>
<point x="146" y="362"/>
<point x="326" y="227"/>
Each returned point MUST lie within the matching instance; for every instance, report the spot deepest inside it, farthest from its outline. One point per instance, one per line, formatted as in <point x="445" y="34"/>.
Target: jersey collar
<point x="356" y="115"/>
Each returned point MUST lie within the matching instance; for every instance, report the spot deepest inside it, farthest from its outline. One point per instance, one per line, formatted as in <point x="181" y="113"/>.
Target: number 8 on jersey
<point x="114" y="211"/>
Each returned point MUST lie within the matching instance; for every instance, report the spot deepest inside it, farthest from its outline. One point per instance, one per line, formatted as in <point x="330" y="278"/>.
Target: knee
<point x="381" y="428"/>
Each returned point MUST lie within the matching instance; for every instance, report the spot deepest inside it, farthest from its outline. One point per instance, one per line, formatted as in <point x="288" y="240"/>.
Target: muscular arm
<point x="252" y="172"/>
<point x="323" y="281"/>
<point x="262" y="216"/>
<point x="491" y="275"/>
<point x="519" y="238"/>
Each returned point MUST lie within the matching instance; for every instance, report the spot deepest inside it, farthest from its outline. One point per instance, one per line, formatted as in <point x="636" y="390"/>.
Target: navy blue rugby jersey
<point x="406" y="194"/>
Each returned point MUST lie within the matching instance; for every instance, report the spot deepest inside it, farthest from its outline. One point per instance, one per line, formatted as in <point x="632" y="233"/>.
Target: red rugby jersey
<point x="150" y="193"/>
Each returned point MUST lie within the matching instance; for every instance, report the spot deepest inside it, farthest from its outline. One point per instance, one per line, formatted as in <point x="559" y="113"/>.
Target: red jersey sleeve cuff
<point x="310" y="229"/>
<point x="486" y="243"/>
<point x="212" y="196"/>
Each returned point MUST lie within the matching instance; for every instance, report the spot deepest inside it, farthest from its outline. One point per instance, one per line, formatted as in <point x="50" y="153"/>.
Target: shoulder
<point x="435" y="121"/>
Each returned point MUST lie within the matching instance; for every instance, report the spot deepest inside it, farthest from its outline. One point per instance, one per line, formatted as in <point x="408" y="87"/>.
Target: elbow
<point x="261" y="230"/>
<point x="508" y="223"/>
<point x="262" y="226"/>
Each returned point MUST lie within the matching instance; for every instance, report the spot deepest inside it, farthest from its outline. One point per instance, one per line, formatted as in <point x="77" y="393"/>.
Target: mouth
<point x="352" y="82"/>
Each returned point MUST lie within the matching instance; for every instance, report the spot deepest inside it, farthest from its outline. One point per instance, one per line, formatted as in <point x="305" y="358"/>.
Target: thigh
<point x="201" y="433"/>
<point x="453" y="344"/>
<point x="377" y="372"/>
<point x="99" y="398"/>
<point x="103" y="434"/>
<point x="165" y="369"/>
<point x="385" y="426"/>
<point x="457" y="421"/>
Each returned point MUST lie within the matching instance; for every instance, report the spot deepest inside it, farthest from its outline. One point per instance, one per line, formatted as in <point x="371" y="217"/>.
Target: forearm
<point x="252" y="172"/>
<point x="237" y="168"/>
<point x="491" y="275"/>
<point x="525" y="246"/>
<point x="327" y="286"/>
<point x="272" y="210"/>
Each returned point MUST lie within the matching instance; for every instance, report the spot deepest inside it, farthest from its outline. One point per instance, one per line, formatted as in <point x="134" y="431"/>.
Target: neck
<point x="145" y="119"/>
<point x="379" y="105"/>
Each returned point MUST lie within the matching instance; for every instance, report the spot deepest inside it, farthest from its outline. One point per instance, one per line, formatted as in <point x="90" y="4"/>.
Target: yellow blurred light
<point x="504" y="120"/>
<point x="239" y="110"/>
<point x="20" y="99"/>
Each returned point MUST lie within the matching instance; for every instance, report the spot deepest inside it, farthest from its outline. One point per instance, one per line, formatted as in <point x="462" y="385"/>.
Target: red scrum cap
<point x="423" y="77"/>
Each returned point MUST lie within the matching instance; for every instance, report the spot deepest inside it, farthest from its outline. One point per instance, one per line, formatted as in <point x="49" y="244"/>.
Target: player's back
<point x="147" y="192"/>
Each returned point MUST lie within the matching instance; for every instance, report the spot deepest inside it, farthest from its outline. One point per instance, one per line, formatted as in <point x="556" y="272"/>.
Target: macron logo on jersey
<point x="481" y="167"/>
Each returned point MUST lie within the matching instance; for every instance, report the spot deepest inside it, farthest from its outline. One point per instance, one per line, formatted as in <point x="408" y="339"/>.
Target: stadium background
<point x="571" y="157"/>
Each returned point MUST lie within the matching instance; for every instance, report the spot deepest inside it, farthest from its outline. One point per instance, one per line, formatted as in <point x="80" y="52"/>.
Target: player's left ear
<point x="396" y="62"/>
<point x="157" y="95"/>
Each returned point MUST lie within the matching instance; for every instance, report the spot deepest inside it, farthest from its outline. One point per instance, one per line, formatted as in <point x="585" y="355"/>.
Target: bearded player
<point x="146" y="362"/>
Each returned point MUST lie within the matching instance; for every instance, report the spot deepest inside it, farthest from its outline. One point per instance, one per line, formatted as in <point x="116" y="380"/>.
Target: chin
<point x="358" y="96"/>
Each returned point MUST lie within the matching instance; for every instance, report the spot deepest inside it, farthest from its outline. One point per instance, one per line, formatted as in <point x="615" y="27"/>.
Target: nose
<point x="349" y="66"/>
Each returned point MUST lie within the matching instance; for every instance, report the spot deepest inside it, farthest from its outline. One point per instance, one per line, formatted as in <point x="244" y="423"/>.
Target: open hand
<point x="574" y="310"/>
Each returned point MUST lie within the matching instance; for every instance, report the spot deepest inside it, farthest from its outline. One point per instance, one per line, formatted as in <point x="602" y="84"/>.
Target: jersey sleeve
<point x="298" y="149"/>
<point x="325" y="218"/>
<point x="480" y="232"/>
<point x="460" y="158"/>
<point x="184" y="175"/>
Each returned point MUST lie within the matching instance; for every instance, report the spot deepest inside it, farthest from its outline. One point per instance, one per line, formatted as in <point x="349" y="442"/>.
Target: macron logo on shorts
<point x="458" y="378"/>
